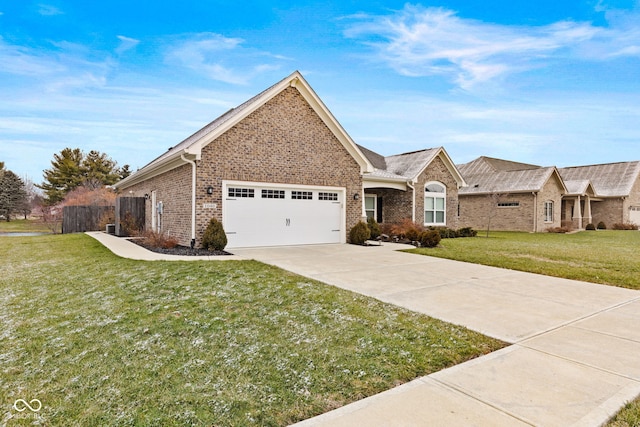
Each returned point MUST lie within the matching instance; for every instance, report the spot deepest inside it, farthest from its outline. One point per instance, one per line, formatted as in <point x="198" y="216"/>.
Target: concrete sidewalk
<point x="575" y="345"/>
<point x="574" y="358"/>
<point x="127" y="249"/>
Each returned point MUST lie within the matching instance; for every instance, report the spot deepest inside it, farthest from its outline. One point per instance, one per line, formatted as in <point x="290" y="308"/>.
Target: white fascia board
<point x="368" y="182"/>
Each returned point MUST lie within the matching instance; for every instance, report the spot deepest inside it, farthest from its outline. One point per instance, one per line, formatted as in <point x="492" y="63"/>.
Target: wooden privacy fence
<point x="78" y="219"/>
<point x="129" y="215"/>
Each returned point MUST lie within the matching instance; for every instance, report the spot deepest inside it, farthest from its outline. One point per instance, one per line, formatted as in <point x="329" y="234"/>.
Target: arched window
<point x="435" y="204"/>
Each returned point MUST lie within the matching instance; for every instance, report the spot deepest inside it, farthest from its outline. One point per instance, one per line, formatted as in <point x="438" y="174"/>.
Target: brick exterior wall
<point x="609" y="211"/>
<point x="475" y="210"/>
<point x="397" y="204"/>
<point x="282" y="142"/>
<point x="551" y="191"/>
<point x="173" y="189"/>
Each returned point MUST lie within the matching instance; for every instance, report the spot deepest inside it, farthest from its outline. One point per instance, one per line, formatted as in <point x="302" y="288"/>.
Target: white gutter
<point x="193" y="199"/>
<point x="535" y="212"/>
<point x="411" y="184"/>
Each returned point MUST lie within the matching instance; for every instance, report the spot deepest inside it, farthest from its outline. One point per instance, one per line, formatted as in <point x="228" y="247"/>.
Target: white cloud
<point x="419" y="41"/>
<point x="210" y="54"/>
<point x="49" y="10"/>
<point x="126" y="43"/>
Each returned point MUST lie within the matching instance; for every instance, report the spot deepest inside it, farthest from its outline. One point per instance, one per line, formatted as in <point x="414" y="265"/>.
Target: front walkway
<point x="574" y="358"/>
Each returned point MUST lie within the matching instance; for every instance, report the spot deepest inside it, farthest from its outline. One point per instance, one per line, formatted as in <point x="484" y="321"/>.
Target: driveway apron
<point x="574" y="358"/>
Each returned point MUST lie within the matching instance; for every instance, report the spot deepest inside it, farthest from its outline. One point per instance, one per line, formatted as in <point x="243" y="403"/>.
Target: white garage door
<point x="264" y="215"/>
<point x="634" y="215"/>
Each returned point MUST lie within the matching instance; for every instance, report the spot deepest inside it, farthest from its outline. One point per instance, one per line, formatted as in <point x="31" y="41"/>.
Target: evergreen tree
<point x="98" y="170"/>
<point x="12" y="193"/>
<point x="65" y="175"/>
<point x="71" y="168"/>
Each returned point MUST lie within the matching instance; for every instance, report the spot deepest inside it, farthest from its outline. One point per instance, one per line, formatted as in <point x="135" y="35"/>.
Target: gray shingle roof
<point x="207" y="129"/>
<point x="608" y="180"/>
<point x="411" y="164"/>
<point x="487" y="175"/>
<point x="578" y="186"/>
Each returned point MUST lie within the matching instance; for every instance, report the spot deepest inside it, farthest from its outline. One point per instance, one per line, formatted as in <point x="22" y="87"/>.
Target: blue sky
<point x="547" y="82"/>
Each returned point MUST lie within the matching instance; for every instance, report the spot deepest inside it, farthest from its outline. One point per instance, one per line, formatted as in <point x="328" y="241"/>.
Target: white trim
<point x="435" y="195"/>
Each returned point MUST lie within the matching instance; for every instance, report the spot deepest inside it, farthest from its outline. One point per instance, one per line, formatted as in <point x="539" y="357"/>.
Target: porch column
<point x="587" y="209"/>
<point x="577" y="213"/>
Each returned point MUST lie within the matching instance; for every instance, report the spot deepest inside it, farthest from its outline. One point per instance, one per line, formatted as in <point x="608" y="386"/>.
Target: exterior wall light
<point x="146" y="196"/>
<point x="356" y="196"/>
<point x="209" y="190"/>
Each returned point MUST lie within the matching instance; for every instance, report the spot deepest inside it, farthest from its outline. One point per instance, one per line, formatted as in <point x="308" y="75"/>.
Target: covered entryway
<point x="262" y="214"/>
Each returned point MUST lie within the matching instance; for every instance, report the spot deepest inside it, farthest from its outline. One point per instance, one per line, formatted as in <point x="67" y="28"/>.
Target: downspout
<point x="413" y="201"/>
<point x="193" y="199"/>
<point x="535" y="212"/>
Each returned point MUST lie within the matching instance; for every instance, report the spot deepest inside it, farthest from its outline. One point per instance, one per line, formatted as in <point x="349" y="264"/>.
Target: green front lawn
<point x="101" y="340"/>
<point x="607" y="257"/>
<point x="23" y="225"/>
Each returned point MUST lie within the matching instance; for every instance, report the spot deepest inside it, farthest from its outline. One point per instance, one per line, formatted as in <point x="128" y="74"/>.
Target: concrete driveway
<point x="575" y="354"/>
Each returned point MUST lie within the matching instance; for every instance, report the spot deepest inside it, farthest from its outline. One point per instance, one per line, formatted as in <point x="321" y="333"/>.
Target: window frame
<point x="435" y="196"/>
<point x="548" y="211"/>
<point x="375" y="206"/>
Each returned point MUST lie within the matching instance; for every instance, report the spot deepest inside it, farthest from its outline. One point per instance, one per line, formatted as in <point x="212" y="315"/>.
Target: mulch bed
<point x="180" y="250"/>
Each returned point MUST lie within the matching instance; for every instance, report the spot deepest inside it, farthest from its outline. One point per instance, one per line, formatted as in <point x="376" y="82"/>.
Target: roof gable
<point x="192" y="146"/>
<point x="608" y="180"/>
<point x="486" y="175"/>
<point x="409" y="166"/>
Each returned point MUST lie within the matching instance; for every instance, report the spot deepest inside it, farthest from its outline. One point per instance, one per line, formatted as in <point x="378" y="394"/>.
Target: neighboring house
<point x="523" y="197"/>
<point x="510" y="196"/>
<point x="608" y="193"/>
<point x="280" y="170"/>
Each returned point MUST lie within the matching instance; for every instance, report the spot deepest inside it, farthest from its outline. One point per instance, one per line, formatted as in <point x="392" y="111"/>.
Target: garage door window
<point x="328" y="196"/>
<point x="273" y="194"/>
<point x="302" y="195"/>
<point x="241" y="192"/>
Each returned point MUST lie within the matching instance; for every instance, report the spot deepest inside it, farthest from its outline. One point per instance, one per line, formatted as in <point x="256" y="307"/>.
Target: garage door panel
<point x="258" y="221"/>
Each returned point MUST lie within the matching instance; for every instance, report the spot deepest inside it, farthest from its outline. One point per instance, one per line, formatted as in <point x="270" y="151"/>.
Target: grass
<point x="23" y="225"/>
<point x="629" y="416"/>
<point x="606" y="257"/>
<point x="101" y="340"/>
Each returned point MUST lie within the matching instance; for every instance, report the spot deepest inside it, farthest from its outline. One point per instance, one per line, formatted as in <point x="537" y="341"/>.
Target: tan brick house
<point x="505" y="195"/>
<point x="280" y="170"/>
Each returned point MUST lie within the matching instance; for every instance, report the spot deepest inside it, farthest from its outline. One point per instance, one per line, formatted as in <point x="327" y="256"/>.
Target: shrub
<point x="602" y="226"/>
<point x="407" y="229"/>
<point x="130" y="225"/>
<point x="374" y="228"/>
<point x="359" y="234"/>
<point x="214" y="237"/>
<point x="624" y="226"/>
<point x="467" y="232"/>
<point x="429" y="238"/>
<point x="158" y="240"/>
<point x="445" y="233"/>
<point x="590" y="226"/>
<point x="557" y="230"/>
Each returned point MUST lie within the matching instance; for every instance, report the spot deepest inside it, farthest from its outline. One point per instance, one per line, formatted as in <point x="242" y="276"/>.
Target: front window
<point x="435" y="206"/>
<point x="370" y="205"/>
<point x="548" y="211"/>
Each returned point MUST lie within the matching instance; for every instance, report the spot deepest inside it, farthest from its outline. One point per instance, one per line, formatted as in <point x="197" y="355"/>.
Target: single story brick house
<point x="280" y="170"/>
<point x="523" y="197"/>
